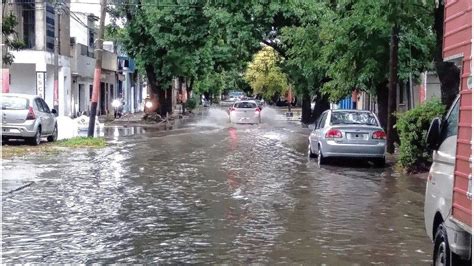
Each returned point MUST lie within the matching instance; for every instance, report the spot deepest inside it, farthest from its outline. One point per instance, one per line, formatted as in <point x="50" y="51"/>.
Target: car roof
<point x="350" y="110"/>
<point x="28" y="96"/>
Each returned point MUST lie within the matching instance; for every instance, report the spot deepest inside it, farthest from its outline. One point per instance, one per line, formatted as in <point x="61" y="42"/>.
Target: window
<point x="29" y="25"/>
<point x="39" y="105"/>
<point x="450" y="126"/>
<point x="45" y="106"/>
<point x="322" y="122"/>
<point x="14" y="103"/>
<point x="245" y="105"/>
<point x="360" y="118"/>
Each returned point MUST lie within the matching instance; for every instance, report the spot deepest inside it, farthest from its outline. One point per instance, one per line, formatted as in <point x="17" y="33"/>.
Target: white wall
<point x="433" y="87"/>
<point x="23" y="78"/>
<point x="78" y="30"/>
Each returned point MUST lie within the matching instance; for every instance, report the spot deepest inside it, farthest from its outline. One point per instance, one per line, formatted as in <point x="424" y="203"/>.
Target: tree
<point x="265" y="76"/>
<point x="356" y="47"/>
<point x="10" y="38"/>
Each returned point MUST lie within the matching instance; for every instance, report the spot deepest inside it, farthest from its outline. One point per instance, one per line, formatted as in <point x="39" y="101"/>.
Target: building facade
<point x="32" y="71"/>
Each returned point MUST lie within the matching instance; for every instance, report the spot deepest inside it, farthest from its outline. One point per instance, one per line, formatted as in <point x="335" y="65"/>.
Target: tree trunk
<point x="448" y="73"/>
<point x="153" y="84"/>
<point x="169" y="100"/>
<point x="162" y="102"/>
<point x="382" y="104"/>
<point x="392" y="92"/>
<point x="322" y="104"/>
<point x="306" y="108"/>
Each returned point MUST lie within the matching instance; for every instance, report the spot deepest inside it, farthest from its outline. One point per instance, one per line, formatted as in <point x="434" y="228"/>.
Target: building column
<point x="40" y="25"/>
<point x="5" y="80"/>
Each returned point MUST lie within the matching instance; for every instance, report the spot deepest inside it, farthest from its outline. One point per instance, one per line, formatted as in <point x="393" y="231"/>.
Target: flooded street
<point x="210" y="192"/>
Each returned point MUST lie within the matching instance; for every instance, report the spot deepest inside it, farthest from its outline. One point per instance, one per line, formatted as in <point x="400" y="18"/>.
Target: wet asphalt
<point x="209" y="192"/>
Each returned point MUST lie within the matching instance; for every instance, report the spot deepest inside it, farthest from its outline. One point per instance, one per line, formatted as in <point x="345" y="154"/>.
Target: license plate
<point x="357" y="136"/>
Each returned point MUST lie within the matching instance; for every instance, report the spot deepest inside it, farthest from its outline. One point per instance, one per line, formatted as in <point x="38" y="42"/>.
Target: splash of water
<point x="214" y="117"/>
<point x="271" y="115"/>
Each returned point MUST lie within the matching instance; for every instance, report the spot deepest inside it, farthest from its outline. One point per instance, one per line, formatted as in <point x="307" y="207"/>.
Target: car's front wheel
<point x="36" y="140"/>
<point x="54" y="136"/>
<point x="441" y="253"/>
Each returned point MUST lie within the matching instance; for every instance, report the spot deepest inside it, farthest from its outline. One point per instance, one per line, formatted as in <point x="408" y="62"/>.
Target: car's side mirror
<point x="434" y="132"/>
<point x="312" y="126"/>
<point x="53" y="111"/>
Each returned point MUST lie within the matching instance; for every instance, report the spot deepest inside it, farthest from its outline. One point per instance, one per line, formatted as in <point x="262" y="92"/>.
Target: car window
<point x="450" y="126"/>
<point x="322" y="122"/>
<point x="363" y="118"/>
<point x="245" y="105"/>
<point x="45" y="106"/>
<point x="39" y="105"/>
<point x="14" y="103"/>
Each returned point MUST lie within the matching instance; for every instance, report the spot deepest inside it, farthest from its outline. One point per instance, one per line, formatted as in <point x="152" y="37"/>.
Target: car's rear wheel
<point x="36" y="140"/>
<point x="379" y="162"/>
<point x="321" y="159"/>
<point x="54" y="136"/>
<point x="310" y="152"/>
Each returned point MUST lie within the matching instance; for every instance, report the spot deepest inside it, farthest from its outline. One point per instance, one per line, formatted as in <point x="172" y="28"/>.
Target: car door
<point x="48" y="116"/>
<point x="439" y="186"/>
<point x="318" y="131"/>
<point x="43" y="119"/>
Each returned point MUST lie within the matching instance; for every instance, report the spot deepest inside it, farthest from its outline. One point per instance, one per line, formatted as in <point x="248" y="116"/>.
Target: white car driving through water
<point x="245" y="112"/>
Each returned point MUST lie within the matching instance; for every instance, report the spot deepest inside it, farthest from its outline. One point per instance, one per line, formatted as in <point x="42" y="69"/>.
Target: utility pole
<point x="98" y="70"/>
<point x="392" y="89"/>
<point x="56" y="58"/>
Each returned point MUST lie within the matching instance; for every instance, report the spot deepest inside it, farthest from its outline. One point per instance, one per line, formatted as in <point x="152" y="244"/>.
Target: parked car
<point x="347" y="133"/>
<point x="245" y="112"/>
<point x="27" y="117"/>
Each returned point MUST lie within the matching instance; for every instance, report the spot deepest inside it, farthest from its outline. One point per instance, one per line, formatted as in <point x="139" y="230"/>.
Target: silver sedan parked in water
<point x="27" y="117"/>
<point x="347" y="133"/>
<point x="245" y="112"/>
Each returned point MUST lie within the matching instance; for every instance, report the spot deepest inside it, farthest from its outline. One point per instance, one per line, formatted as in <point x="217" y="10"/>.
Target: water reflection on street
<point x="211" y="194"/>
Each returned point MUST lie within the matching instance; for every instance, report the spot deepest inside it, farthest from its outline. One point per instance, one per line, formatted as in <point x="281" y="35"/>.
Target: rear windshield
<point x="338" y="118"/>
<point x="245" y="105"/>
<point x="14" y="103"/>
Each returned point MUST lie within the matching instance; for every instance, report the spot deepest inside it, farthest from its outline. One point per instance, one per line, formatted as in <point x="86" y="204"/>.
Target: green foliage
<point x="264" y="75"/>
<point x="356" y="38"/>
<point x="191" y="103"/>
<point x="10" y="38"/>
<point x="412" y="128"/>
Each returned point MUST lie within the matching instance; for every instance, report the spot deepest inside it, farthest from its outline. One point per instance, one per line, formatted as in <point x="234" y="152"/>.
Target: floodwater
<point x="209" y="193"/>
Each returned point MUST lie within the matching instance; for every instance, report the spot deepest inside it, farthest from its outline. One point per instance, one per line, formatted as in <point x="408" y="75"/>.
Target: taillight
<point x="257" y="111"/>
<point x="334" y="134"/>
<point x="31" y="114"/>
<point x="379" y="135"/>
<point x="231" y="109"/>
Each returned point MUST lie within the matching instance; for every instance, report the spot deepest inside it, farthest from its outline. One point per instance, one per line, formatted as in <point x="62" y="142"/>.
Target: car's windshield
<point x="364" y="118"/>
<point x="14" y="103"/>
<point x="245" y="105"/>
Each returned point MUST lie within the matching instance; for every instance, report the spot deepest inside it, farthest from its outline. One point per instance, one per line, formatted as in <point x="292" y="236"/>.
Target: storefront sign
<point x="40" y="83"/>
